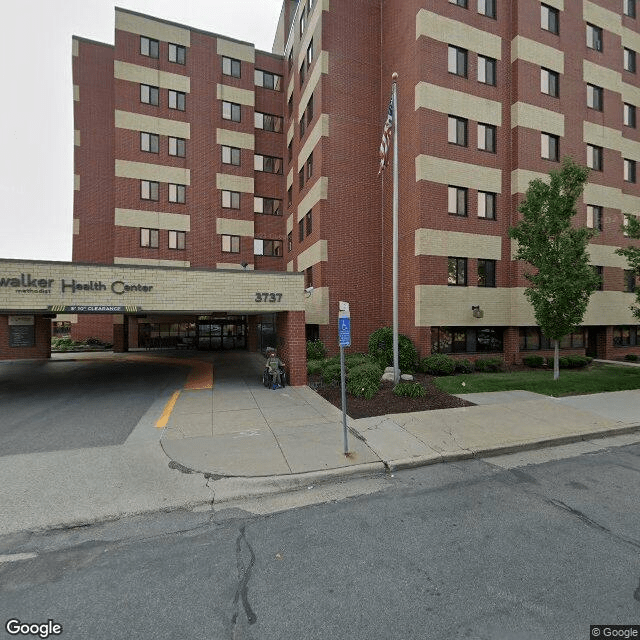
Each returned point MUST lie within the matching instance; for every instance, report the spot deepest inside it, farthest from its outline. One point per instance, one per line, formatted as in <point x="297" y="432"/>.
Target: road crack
<point x="244" y="575"/>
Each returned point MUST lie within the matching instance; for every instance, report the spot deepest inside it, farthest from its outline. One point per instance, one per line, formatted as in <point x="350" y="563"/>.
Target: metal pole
<point x="396" y="367"/>
<point x="344" y="401"/>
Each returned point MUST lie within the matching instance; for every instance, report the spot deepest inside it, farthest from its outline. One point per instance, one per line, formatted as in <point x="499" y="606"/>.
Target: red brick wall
<point x="42" y="348"/>
<point x="292" y="345"/>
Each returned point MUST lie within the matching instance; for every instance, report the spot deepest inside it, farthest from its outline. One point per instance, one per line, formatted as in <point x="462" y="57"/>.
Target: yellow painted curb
<point x="166" y="414"/>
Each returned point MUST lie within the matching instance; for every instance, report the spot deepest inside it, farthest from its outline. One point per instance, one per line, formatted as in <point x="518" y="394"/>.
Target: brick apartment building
<point x="196" y="151"/>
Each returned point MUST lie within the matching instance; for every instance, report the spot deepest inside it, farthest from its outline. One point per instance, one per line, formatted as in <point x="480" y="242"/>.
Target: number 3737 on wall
<point x="268" y="297"/>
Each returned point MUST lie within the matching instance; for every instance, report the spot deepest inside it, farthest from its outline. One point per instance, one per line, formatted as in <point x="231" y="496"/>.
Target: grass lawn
<point x="594" y="379"/>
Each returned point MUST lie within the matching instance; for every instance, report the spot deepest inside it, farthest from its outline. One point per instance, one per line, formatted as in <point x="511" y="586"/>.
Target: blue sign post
<point x="344" y="339"/>
<point x="344" y="331"/>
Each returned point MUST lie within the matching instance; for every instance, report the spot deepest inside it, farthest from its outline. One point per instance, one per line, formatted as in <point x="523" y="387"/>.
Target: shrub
<point x="577" y="362"/>
<point x="94" y="342"/>
<point x="563" y="362"/>
<point x="631" y="357"/>
<point x="363" y="380"/>
<point x="62" y="344"/>
<point x="410" y="390"/>
<point x="438" y="364"/>
<point x="314" y="366"/>
<point x="331" y="370"/>
<point x="315" y="350"/>
<point x="489" y="365"/>
<point x="533" y="361"/>
<point x="354" y="359"/>
<point x="464" y="366"/>
<point x="381" y="350"/>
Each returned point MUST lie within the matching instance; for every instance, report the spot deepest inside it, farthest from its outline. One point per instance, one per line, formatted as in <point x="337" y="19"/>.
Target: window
<point x="625" y="225"/>
<point x="267" y="206"/>
<point x="550" y="82"/>
<point x="177" y="147"/>
<point x="301" y="230"/>
<point x="486" y="273"/>
<point x="230" y="199"/>
<point x="629" y="170"/>
<point x="629" y="8"/>
<point x="600" y="273"/>
<point x="629" y="281"/>
<point x="308" y="277"/>
<point x="594" y="37"/>
<point x="303" y="73"/>
<point x="457" y="63"/>
<point x="486" y="137"/>
<point x="303" y="127"/>
<point x="177" y="53"/>
<point x="629" y="60"/>
<point x="231" y="111"/>
<point x="149" y="142"/>
<point x="460" y="3"/>
<point x="486" y="70"/>
<point x="290" y="106"/>
<point x="267" y="247"/>
<point x="626" y="336"/>
<point x="594" y="157"/>
<point x="177" y="193"/>
<point x="149" y="238"/>
<point x="467" y="339"/>
<point x="177" y="100"/>
<point x="457" y="272"/>
<point x="594" y="97"/>
<point x="149" y="95"/>
<point x="268" y="164"/>
<point x="629" y="115"/>
<point x="267" y="80"/>
<point x="303" y="21"/>
<point x="268" y="122"/>
<point x="290" y="152"/>
<point x="309" y="165"/>
<point x="550" y="146"/>
<point x="458" y="201"/>
<point x="149" y="47"/>
<point x="230" y="155"/>
<point x="457" y="131"/>
<point x="289" y="196"/>
<point x="486" y="205"/>
<point x="487" y="8"/>
<point x="290" y="241"/>
<point x="149" y="190"/>
<point x="230" y="244"/>
<point x="177" y="240"/>
<point x="230" y="67"/>
<point x="308" y="223"/>
<point x="301" y="179"/>
<point x="549" y="18"/>
<point x="529" y="338"/>
<point x="594" y="217"/>
<point x="309" y="56"/>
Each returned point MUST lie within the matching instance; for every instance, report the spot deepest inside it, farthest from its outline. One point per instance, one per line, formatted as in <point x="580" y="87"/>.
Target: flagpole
<point x="396" y="368"/>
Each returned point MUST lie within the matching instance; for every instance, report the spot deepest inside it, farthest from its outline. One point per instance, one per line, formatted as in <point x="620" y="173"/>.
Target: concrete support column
<point x="252" y="333"/>
<point x="292" y="345"/>
<point x="120" y="338"/>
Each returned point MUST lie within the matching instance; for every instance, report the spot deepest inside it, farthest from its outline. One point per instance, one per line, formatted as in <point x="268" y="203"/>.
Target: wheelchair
<point x="266" y="377"/>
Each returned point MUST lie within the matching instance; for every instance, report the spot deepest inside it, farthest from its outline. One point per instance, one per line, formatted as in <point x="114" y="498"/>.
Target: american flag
<point x="386" y="135"/>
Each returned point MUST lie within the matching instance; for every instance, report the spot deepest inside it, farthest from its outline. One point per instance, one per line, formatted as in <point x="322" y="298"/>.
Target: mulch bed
<point x="385" y="401"/>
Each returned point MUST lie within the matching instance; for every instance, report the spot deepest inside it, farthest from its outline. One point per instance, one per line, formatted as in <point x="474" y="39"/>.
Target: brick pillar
<point x="42" y="340"/>
<point x="119" y="334"/>
<point x="133" y="332"/>
<point x="511" y="341"/>
<point x="292" y="345"/>
<point x="605" y="349"/>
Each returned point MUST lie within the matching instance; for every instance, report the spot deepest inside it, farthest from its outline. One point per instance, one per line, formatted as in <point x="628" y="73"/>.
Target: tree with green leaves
<point x="632" y="254"/>
<point x="563" y="278"/>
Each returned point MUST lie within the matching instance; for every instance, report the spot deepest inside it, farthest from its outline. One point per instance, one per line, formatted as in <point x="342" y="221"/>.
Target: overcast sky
<point x="36" y="123"/>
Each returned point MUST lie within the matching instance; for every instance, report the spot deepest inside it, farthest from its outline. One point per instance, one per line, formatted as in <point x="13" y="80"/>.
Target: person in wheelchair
<point x="274" y="372"/>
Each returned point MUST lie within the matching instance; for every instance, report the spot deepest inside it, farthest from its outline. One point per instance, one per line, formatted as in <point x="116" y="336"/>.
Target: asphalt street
<point x="59" y="405"/>
<point x="501" y="548"/>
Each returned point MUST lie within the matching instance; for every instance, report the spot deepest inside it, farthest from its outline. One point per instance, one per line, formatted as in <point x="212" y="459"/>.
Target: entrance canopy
<point x="37" y="287"/>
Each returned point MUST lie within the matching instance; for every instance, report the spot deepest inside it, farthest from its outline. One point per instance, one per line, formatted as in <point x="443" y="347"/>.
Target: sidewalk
<point x="241" y="428"/>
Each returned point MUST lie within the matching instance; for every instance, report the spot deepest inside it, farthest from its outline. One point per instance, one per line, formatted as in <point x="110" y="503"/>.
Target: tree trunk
<point x="556" y="360"/>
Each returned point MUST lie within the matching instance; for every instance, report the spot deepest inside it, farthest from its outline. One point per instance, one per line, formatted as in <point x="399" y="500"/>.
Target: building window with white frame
<point x="457" y="201"/>
<point x="457" y="272"/>
<point x="629" y="8"/>
<point x="267" y="164"/>
<point x="629" y="59"/>
<point x="549" y="18"/>
<point x="268" y="80"/>
<point x="177" y="240"/>
<point x="594" y="217"/>
<point x="594" y="97"/>
<point x="629" y="170"/>
<point x="230" y="155"/>
<point x="177" y="193"/>
<point x="487" y="205"/>
<point x="594" y="37"/>
<point x="594" y="157"/>
<point x="549" y="82"/>
<point x="460" y="3"/>
<point x="487" y="8"/>
<point x="268" y="122"/>
<point x="267" y="247"/>
<point x="486" y="273"/>
<point x="550" y="146"/>
<point x="149" y="238"/>
<point x="230" y="199"/>
<point x="177" y="100"/>
<point x="149" y="142"/>
<point x="149" y="190"/>
<point x="231" y="67"/>
<point x="149" y="47"/>
<point x="487" y="70"/>
<point x="457" y="61"/>
<point x="629" y="115"/>
<point x="149" y="95"/>
<point x="177" y="147"/>
<point x="177" y="53"/>
<point x="267" y="206"/>
<point x="231" y="111"/>
<point x="487" y="137"/>
<point x="457" y="130"/>
<point x="230" y="244"/>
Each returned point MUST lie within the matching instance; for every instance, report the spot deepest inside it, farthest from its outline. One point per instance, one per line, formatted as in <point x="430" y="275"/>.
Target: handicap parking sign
<point x="344" y="331"/>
